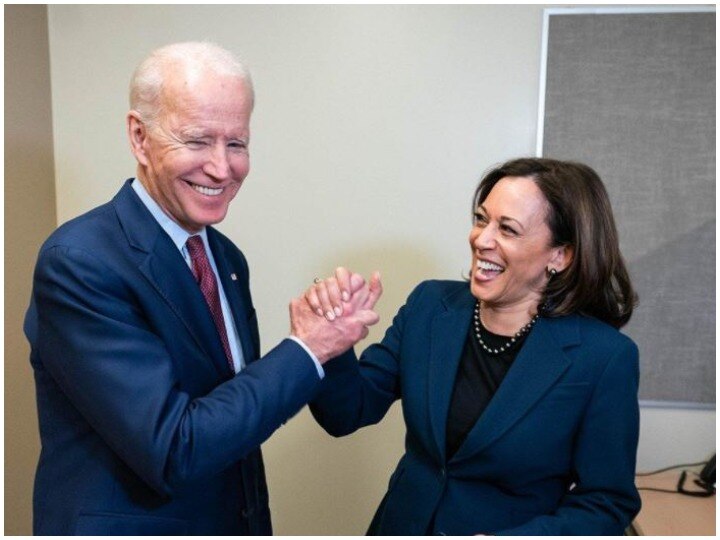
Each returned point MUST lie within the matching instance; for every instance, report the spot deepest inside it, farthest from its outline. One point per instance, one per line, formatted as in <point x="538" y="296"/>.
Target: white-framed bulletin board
<point x="631" y="92"/>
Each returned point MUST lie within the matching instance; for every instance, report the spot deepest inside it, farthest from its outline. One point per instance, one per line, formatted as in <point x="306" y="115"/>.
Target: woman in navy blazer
<point x="518" y="392"/>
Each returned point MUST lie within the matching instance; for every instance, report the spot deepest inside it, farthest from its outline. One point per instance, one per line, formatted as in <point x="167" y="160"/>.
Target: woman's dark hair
<point x="596" y="282"/>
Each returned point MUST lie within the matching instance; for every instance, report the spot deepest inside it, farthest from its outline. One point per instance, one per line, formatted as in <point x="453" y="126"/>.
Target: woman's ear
<point x="137" y="135"/>
<point x="562" y="257"/>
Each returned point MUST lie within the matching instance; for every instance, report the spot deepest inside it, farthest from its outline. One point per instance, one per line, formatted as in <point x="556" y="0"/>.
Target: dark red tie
<point x="205" y="277"/>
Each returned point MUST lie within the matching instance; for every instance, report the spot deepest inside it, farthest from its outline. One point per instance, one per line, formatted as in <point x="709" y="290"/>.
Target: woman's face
<point x="511" y="246"/>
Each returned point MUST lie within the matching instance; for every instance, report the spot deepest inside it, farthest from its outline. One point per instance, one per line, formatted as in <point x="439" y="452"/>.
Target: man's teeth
<point x="206" y="190"/>
<point x="484" y="265"/>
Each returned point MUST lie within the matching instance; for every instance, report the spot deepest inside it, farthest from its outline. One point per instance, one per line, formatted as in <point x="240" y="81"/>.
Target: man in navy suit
<point x="152" y="398"/>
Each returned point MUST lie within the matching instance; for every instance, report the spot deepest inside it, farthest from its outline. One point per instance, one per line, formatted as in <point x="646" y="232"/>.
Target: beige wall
<point x="29" y="218"/>
<point x="372" y="126"/>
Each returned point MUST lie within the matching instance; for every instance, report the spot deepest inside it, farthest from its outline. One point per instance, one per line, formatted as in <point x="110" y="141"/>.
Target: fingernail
<point x="338" y="311"/>
<point x="330" y="315"/>
<point x="345" y="296"/>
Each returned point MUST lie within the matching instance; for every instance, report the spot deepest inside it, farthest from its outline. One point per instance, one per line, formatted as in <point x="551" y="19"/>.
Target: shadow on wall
<point x="674" y="324"/>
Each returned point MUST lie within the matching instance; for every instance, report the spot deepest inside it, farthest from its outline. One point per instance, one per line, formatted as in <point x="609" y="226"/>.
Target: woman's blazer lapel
<point x="537" y="367"/>
<point x="448" y="330"/>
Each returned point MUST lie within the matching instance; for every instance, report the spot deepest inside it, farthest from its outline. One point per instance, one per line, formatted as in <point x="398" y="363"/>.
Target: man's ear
<point x="562" y="257"/>
<point x="137" y="135"/>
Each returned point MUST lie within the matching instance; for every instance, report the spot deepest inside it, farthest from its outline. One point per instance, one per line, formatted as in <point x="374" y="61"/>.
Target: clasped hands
<point x="334" y="314"/>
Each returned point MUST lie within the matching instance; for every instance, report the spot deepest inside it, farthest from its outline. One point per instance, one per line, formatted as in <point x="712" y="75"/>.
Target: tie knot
<point x="195" y="245"/>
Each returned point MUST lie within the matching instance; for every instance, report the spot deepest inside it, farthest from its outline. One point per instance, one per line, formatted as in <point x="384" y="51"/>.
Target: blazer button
<point x="247" y="512"/>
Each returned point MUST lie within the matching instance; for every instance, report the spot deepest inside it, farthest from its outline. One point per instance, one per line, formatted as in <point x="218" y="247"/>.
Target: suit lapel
<point x="536" y="369"/>
<point x="448" y="331"/>
<point x="166" y="270"/>
<point x="231" y="287"/>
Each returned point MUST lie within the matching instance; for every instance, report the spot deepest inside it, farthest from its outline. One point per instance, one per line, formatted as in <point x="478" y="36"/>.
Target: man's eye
<point x="195" y="142"/>
<point x="238" y="145"/>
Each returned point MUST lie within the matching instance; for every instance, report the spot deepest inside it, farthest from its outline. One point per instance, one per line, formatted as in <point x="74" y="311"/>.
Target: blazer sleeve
<point x="356" y="393"/>
<point x="603" y="500"/>
<point x="96" y="343"/>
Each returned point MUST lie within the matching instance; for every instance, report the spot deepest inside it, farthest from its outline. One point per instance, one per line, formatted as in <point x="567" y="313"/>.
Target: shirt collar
<point x="176" y="233"/>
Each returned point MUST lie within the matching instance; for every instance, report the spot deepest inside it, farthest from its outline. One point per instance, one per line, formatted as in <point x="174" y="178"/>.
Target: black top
<point x="478" y="377"/>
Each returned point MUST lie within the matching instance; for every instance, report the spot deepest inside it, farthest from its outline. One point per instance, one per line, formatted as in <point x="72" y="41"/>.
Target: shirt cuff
<point x="318" y="365"/>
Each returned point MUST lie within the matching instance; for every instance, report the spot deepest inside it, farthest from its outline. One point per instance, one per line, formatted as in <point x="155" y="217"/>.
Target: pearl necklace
<point x="520" y="333"/>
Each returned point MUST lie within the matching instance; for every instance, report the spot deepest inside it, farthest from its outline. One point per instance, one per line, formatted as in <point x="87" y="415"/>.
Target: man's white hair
<point x="192" y="58"/>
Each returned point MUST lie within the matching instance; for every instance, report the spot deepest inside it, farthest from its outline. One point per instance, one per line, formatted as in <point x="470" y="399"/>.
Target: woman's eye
<point x="509" y="230"/>
<point x="480" y="219"/>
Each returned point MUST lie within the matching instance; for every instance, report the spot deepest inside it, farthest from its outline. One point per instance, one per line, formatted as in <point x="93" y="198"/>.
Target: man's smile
<point x="205" y="190"/>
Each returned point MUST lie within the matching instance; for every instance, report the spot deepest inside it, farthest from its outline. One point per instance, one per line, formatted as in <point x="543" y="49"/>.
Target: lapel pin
<point x="233" y="276"/>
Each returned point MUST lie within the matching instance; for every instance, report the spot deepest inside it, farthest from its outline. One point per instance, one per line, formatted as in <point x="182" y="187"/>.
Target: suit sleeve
<point x="603" y="500"/>
<point x="96" y="343"/>
<point x="356" y="394"/>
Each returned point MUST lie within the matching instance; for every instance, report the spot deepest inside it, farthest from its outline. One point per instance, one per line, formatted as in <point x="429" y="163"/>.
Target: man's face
<point x="194" y="160"/>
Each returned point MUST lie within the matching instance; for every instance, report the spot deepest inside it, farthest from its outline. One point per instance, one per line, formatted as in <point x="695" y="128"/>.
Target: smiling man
<point x="193" y="160"/>
<point x="152" y="396"/>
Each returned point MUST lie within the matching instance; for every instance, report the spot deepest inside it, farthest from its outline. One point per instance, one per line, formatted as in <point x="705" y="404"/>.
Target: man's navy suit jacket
<point x="552" y="454"/>
<point x="144" y="428"/>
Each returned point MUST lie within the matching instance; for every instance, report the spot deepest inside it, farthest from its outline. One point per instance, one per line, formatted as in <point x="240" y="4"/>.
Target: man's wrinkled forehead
<point x="183" y="84"/>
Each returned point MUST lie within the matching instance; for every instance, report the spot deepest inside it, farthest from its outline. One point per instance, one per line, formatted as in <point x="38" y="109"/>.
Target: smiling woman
<point x="530" y="423"/>
<point x="513" y="253"/>
<point x="590" y="275"/>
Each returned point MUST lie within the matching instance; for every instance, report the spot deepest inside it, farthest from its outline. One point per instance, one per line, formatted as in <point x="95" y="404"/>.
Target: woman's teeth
<point x="485" y="265"/>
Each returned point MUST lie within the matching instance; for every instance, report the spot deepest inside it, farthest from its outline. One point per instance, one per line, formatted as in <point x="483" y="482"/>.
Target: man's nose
<point x="218" y="164"/>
